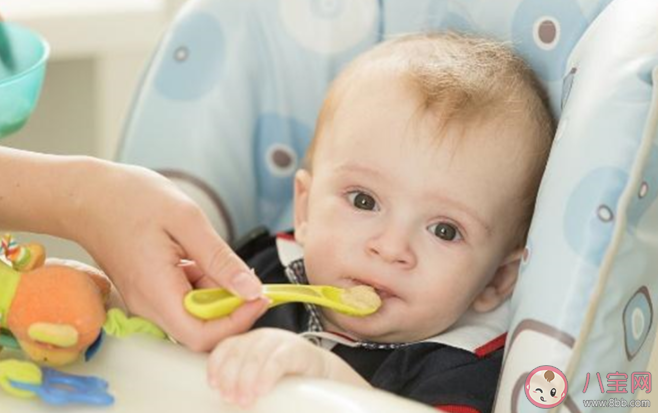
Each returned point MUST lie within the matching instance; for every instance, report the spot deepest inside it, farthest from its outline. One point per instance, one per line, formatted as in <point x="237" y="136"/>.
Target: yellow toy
<point x="55" y="314"/>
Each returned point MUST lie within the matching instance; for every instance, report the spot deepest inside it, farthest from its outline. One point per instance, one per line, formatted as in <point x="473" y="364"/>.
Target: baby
<point x="420" y="182"/>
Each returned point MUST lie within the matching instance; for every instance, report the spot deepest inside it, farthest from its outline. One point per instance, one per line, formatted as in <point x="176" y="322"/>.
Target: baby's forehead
<point x="423" y="133"/>
<point x="398" y="115"/>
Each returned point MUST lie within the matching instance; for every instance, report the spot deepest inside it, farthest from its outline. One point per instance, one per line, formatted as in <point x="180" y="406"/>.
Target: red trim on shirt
<point x="343" y="336"/>
<point x="457" y="408"/>
<point x="285" y="235"/>
<point x="491" y="346"/>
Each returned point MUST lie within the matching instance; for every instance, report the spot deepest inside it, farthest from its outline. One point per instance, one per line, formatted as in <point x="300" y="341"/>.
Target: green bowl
<point x="23" y="55"/>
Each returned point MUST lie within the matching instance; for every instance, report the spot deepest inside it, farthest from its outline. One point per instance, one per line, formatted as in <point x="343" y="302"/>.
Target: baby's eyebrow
<point x="473" y="216"/>
<point x="465" y="209"/>
<point x="350" y="167"/>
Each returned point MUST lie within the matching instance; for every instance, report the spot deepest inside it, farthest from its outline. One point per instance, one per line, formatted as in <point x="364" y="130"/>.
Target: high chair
<point x="228" y="105"/>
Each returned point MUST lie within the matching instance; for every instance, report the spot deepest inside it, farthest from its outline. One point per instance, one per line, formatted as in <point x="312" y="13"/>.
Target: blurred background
<point x="99" y="49"/>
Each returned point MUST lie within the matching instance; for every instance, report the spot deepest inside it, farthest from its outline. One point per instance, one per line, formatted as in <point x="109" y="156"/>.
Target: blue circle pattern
<point x="327" y="9"/>
<point x="197" y="72"/>
<point x="443" y="16"/>
<point x="457" y="22"/>
<point x="640" y="204"/>
<point x="275" y="190"/>
<point x="549" y="64"/>
<point x="637" y="302"/>
<point x="586" y="233"/>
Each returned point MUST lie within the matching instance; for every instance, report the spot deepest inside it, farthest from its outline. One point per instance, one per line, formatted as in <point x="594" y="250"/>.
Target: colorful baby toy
<point x="55" y="314"/>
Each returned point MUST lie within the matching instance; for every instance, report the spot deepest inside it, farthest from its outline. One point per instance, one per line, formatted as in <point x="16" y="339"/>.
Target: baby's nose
<point x="393" y="247"/>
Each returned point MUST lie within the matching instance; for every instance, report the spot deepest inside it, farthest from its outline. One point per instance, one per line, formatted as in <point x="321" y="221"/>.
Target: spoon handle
<point x="213" y="303"/>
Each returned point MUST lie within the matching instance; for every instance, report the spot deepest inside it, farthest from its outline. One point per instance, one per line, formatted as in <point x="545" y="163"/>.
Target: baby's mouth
<point x="542" y="399"/>
<point x="382" y="292"/>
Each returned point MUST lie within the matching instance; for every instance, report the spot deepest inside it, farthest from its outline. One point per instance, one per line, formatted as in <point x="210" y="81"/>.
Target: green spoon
<point x="211" y="303"/>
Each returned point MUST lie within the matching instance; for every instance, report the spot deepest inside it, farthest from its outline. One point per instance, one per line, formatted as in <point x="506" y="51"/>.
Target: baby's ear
<point x="302" y="187"/>
<point x="501" y="285"/>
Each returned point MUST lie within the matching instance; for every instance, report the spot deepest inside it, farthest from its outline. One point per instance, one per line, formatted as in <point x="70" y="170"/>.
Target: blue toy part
<point x="585" y="296"/>
<point x="95" y="346"/>
<point x="58" y="388"/>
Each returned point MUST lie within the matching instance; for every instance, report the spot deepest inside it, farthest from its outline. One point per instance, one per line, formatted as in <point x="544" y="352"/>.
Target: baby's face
<point x="425" y="223"/>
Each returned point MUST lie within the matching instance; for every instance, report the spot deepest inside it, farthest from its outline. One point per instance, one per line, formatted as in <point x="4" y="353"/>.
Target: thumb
<point x="214" y="257"/>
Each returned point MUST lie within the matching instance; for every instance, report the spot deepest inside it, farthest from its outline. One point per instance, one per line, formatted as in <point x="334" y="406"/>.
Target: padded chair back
<point x="229" y="102"/>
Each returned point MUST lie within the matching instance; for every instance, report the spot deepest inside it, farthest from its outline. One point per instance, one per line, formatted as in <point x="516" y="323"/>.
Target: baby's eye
<point x="362" y="200"/>
<point x="445" y="231"/>
<point x="538" y="390"/>
<point x="553" y="392"/>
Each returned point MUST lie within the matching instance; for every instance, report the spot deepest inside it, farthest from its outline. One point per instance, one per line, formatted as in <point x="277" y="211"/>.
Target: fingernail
<point x="246" y="285"/>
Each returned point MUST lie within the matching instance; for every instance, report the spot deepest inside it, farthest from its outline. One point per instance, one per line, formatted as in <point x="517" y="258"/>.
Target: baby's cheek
<point x="434" y="321"/>
<point x="326" y="260"/>
<point x="317" y="268"/>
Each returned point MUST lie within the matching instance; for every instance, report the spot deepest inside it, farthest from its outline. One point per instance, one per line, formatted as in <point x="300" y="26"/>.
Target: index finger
<point x="213" y="255"/>
<point x="196" y="334"/>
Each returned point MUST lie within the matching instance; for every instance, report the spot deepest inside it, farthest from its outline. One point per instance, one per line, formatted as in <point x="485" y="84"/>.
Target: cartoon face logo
<point x="546" y="387"/>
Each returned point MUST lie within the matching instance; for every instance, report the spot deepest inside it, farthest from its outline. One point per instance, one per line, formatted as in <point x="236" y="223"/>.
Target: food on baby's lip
<point x="362" y="297"/>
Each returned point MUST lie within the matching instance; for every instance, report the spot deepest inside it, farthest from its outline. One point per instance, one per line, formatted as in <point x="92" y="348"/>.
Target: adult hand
<point x="138" y="227"/>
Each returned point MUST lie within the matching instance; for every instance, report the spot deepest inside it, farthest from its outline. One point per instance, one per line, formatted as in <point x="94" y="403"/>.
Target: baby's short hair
<point x="461" y="79"/>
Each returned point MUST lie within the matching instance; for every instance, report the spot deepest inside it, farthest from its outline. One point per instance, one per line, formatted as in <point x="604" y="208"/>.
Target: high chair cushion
<point x="229" y="102"/>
